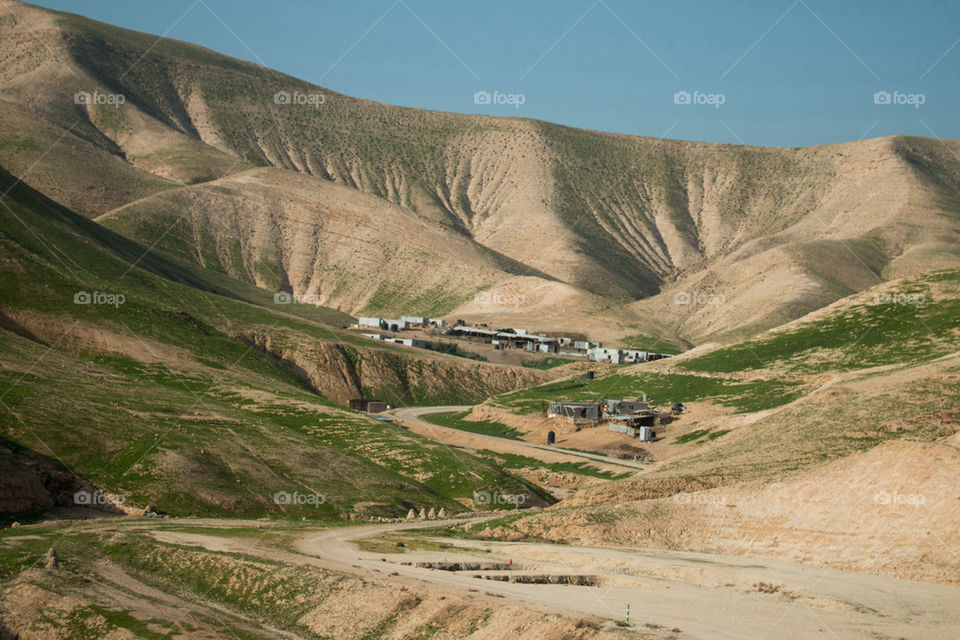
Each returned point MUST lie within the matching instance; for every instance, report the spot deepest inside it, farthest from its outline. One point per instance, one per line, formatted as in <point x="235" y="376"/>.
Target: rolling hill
<point x="633" y="221"/>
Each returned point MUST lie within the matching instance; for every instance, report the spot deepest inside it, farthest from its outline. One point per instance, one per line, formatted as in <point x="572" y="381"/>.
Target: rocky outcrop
<point x="21" y="487"/>
<point x="339" y="371"/>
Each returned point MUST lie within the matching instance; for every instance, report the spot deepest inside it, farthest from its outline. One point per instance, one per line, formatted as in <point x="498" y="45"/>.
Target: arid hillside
<point x="831" y="440"/>
<point x="748" y="237"/>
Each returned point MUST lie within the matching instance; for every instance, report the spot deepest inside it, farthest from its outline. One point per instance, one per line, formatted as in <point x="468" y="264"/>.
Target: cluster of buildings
<point x="633" y="417"/>
<point x="395" y="325"/>
<point x="621" y="356"/>
<point x="559" y="345"/>
<point x="520" y="339"/>
<point x="503" y="339"/>
<point x="409" y="342"/>
<point x="400" y="324"/>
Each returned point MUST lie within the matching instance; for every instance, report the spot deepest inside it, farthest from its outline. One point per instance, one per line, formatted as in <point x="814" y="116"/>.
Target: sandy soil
<point x="732" y="594"/>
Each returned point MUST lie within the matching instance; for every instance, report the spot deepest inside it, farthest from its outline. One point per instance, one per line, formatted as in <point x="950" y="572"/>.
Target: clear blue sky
<point x="788" y="73"/>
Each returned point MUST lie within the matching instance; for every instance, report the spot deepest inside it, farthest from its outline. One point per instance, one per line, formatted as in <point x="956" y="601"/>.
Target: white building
<point x="417" y="321"/>
<point x="369" y="322"/>
<point x="600" y="354"/>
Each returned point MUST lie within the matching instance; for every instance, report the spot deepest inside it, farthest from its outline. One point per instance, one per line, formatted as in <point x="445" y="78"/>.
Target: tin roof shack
<point x="370" y="406"/>
<point x="578" y="412"/>
<point x="414" y="321"/>
<point x="545" y="345"/>
<point x="395" y="325"/>
<point x="625" y="406"/>
<point x="365" y="321"/>
<point x="408" y="342"/>
<point x="635" y="426"/>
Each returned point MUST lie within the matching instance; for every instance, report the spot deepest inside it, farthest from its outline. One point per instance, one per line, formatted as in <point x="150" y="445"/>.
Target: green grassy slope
<point x="165" y="407"/>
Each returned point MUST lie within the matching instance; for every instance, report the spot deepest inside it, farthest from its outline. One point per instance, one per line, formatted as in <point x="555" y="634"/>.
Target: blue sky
<point x="773" y="72"/>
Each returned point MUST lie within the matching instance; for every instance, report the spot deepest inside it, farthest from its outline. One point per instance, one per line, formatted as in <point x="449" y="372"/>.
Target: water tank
<point x="647" y="434"/>
<point x="551" y="437"/>
<point x="589" y="375"/>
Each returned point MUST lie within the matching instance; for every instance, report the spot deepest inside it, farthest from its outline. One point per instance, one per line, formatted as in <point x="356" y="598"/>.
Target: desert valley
<point x="278" y="362"/>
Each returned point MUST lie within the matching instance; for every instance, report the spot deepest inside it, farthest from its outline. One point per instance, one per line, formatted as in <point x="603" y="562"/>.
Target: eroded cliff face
<point x="339" y="372"/>
<point x="21" y="488"/>
<point x="30" y="481"/>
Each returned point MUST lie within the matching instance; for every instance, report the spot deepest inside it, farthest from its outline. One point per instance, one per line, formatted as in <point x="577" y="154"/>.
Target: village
<point x="498" y="342"/>
<point x="629" y="416"/>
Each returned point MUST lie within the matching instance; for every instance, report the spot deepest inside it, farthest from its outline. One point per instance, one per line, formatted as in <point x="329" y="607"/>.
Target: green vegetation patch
<point x="662" y="388"/>
<point x="701" y="434"/>
<point x="516" y="462"/>
<point x="456" y="420"/>
<point x="910" y="325"/>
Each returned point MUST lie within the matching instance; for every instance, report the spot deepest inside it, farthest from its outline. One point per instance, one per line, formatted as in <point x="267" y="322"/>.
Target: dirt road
<point x="705" y="596"/>
<point x="410" y="417"/>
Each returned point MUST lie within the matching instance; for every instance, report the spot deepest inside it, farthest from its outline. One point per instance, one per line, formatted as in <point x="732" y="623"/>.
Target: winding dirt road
<point x="705" y="596"/>
<point x="410" y="417"/>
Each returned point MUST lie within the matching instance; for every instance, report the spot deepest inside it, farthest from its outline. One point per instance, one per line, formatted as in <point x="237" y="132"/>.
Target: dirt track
<point x="410" y="417"/>
<point x="705" y="596"/>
